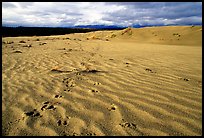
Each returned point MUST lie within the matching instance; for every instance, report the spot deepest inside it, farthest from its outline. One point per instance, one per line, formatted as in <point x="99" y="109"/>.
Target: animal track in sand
<point x="60" y="122"/>
<point x="112" y="108"/>
<point x="34" y="113"/>
<point x="94" y="91"/>
<point x="62" y="49"/>
<point x="58" y="96"/>
<point x="68" y="90"/>
<point x="72" y="134"/>
<point x="127" y="64"/>
<point x="42" y="43"/>
<point x="33" y="116"/>
<point x="185" y="79"/>
<point x="149" y="70"/>
<point x="46" y="102"/>
<point x="88" y="134"/>
<point x="69" y="84"/>
<point x="75" y="134"/>
<point x="132" y="126"/>
<point x="48" y="106"/>
<point x="78" y="74"/>
<point x="129" y="125"/>
<point x="191" y="81"/>
<point x="97" y="83"/>
<point x="82" y="63"/>
<point x="16" y="121"/>
<point x="27" y="46"/>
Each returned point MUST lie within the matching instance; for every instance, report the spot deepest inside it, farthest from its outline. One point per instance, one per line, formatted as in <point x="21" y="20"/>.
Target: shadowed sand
<point x="145" y="81"/>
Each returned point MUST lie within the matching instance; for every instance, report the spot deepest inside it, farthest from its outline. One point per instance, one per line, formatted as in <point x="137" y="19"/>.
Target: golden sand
<point x="141" y="82"/>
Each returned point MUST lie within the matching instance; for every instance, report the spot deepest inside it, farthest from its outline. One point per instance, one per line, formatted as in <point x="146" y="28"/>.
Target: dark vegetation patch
<point x="45" y="31"/>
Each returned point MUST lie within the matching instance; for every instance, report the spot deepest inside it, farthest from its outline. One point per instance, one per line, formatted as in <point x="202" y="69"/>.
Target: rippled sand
<point x="104" y="83"/>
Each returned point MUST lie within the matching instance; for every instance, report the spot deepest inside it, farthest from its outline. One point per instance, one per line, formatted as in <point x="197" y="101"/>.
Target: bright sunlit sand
<point x="141" y="82"/>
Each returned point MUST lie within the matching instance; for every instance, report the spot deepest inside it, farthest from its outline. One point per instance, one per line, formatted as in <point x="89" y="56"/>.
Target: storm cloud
<point x="65" y="14"/>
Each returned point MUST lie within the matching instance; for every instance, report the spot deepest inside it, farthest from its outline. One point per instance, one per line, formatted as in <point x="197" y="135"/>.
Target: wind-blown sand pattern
<point x="144" y="82"/>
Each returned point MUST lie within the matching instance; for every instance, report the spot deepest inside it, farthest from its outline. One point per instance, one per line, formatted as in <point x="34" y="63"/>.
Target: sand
<point x="132" y="82"/>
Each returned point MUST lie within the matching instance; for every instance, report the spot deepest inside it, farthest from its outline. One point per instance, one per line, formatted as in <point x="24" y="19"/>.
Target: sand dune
<point x="141" y="82"/>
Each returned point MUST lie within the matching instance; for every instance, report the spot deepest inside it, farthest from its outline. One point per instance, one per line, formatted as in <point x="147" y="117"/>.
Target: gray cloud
<point x="109" y="13"/>
<point x="159" y="12"/>
<point x="8" y="5"/>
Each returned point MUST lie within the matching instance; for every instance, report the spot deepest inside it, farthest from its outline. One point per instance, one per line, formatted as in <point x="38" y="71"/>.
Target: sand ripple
<point x="131" y="94"/>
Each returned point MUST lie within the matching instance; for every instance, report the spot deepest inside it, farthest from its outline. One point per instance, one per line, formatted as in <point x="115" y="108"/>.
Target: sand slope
<point x="129" y="84"/>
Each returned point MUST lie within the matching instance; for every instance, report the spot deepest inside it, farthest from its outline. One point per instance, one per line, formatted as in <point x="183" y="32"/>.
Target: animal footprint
<point x="149" y="70"/>
<point x="47" y="106"/>
<point x="88" y="134"/>
<point x="97" y="83"/>
<point x="16" y="121"/>
<point x="33" y="113"/>
<point x="78" y="73"/>
<point x="112" y="108"/>
<point x="132" y="126"/>
<point x="60" y="122"/>
<point x="185" y="79"/>
<point x="94" y="91"/>
<point x="58" y="96"/>
<point x="51" y="107"/>
<point x="82" y="63"/>
<point x="68" y="90"/>
<point x="127" y="64"/>
<point x="129" y="125"/>
<point x="42" y="43"/>
<point x="46" y="102"/>
<point x="69" y="82"/>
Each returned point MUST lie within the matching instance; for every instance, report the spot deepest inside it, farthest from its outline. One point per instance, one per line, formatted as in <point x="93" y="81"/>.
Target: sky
<point x="66" y="14"/>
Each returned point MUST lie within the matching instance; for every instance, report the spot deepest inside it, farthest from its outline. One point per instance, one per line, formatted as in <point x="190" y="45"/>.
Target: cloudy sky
<point x="65" y="14"/>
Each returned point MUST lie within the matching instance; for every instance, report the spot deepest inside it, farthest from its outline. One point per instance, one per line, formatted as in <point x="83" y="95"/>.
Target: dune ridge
<point x="130" y="83"/>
